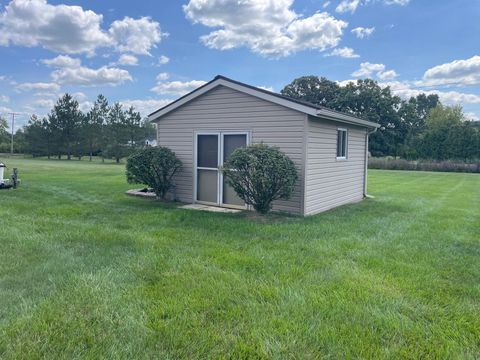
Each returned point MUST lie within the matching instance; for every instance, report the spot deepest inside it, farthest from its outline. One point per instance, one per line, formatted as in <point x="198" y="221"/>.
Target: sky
<point x="149" y="52"/>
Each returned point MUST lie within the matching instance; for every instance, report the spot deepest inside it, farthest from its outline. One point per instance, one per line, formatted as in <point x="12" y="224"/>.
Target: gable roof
<point x="299" y="105"/>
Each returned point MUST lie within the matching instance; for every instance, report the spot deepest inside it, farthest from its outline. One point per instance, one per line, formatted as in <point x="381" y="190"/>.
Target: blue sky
<point x="146" y="53"/>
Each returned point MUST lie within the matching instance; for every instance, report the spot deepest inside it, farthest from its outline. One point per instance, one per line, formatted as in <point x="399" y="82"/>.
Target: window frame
<point x="342" y="157"/>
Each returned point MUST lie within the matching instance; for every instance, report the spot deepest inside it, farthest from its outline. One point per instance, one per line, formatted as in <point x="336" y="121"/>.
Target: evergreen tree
<point x="133" y="127"/>
<point x="94" y="125"/>
<point x="116" y="130"/>
<point x="65" y="119"/>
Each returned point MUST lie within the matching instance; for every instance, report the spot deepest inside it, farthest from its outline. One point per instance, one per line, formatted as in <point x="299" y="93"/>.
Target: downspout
<point x="367" y="134"/>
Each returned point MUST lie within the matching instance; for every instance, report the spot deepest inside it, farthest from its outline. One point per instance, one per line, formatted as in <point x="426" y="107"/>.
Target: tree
<point x="413" y="114"/>
<point x="154" y="167"/>
<point x="3" y="127"/>
<point x="38" y="137"/>
<point x="4" y="136"/>
<point x="110" y="131"/>
<point x="133" y="127"/>
<point x="65" y="119"/>
<point x="260" y="174"/>
<point x="447" y="135"/>
<point x="20" y="141"/>
<point x="95" y="121"/>
<point x="320" y="91"/>
<point x="364" y="99"/>
<point x="117" y="136"/>
<point x="367" y="100"/>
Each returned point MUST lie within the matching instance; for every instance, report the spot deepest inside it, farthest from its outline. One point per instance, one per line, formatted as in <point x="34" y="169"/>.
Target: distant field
<point x="86" y="271"/>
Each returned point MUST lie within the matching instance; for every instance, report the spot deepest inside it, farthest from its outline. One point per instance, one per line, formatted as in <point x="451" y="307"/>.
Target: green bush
<point x="260" y="174"/>
<point x="154" y="167"/>
<point x="423" y="165"/>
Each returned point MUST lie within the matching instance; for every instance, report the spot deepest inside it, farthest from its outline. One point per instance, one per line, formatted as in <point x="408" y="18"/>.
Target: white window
<point x="342" y="141"/>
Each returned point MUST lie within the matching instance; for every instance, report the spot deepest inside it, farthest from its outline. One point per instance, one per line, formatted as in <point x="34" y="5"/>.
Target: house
<point x="151" y="142"/>
<point x="329" y="148"/>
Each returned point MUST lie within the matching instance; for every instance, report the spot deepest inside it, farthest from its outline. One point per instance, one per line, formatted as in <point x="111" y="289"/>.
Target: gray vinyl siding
<point x="330" y="182"/>
<point x="225" y="109"/>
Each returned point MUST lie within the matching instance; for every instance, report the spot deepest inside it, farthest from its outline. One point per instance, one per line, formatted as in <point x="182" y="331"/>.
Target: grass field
<point x="86" y="271"/>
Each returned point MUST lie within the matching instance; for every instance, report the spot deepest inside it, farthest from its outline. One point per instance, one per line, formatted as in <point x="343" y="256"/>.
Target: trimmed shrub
<point x="260" y="174"/>
<point x="155" y="167"/>
<point x="423" y="165"/>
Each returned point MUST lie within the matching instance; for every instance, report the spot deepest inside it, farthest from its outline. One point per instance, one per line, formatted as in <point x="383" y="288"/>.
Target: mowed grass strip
<point x="87" y="272"/>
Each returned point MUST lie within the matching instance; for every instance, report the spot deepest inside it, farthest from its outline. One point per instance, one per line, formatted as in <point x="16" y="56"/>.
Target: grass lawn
<point x="86" y="271"/>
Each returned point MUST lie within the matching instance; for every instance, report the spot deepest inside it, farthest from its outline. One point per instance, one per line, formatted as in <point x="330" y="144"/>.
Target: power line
<point x="13" y="128"/>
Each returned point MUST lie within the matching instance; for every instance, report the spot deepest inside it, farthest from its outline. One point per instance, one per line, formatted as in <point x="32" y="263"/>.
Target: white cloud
<point x="347" y="6"/>
<point x="127" y="59"/>
<point x="397" y="2"/>
<point x="326" y="4"/>
<point x="472" y="116"/>
<point x="345" y="52"/>
<point x="177" y="87"/>
<point x="61" y="28"/>
<point x="367" y="69"/>
<point x="270" y="28"/>
<point x="4" y="98"/>
<point x="362" y="32"/>
<point x="42" y="86"/>
<point x="137" y="36"/>
<point x="387" y="75"/>
<point x="44" y="103"/>
<point x="374" y="70"/>
<point x="73" y="30"/>
<point x="352" y="5"/>
<point x="91" y="77"/>
<point x="62" y="61"/>
<point x="162" y="76"/>
<point x="85" y="106"/>
<point x="46" y="94"/>
<point x="48" y="100"/>
<point x="145" y="107"/>
<point x="268" y="88"/>
<point x="162" y="60"/>
<point x="4" y="110"/>
<point x="70" y="72"/>
<point x="406" y="89"/>
<point x="79" y="96"/>
<point x="458" y="72"/>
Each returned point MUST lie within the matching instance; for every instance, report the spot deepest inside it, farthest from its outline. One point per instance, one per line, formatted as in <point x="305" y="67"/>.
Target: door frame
<point x="220" y="136"/>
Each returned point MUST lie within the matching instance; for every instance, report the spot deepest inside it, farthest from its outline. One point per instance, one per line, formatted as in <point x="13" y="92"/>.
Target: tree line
<point x="418" y="128"/>
<point x="4" y="136"/>
<point x="106" y="131"/>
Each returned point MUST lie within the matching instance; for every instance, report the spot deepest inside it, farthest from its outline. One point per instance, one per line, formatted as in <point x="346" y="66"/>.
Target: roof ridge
<point x="347" y="117"/>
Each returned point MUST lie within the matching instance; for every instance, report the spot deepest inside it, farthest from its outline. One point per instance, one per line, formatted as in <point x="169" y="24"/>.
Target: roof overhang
<point x="261" y="94"/>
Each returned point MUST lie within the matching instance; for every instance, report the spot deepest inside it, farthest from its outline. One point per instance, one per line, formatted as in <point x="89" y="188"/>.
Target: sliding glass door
<point x="212" y="150"/>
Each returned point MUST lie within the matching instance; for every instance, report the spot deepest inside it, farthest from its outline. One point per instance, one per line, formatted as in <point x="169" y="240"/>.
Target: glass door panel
<point x="230" y="143"/>
<point x="207" y="168"/>
<point x="207" y="185"/>
<point x="207" y="151"/>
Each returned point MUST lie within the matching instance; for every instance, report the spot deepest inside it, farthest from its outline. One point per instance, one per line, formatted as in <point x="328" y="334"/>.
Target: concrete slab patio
<point x="209" y="208"/>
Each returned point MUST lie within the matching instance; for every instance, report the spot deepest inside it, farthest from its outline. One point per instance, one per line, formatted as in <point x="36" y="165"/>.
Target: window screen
<point x="341" y="143"/>
<point x="232" y="142"/>
<point x="207" y="154"/>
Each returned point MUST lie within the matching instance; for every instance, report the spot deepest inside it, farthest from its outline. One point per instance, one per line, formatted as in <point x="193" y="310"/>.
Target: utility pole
<point x="13" y="128"/>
